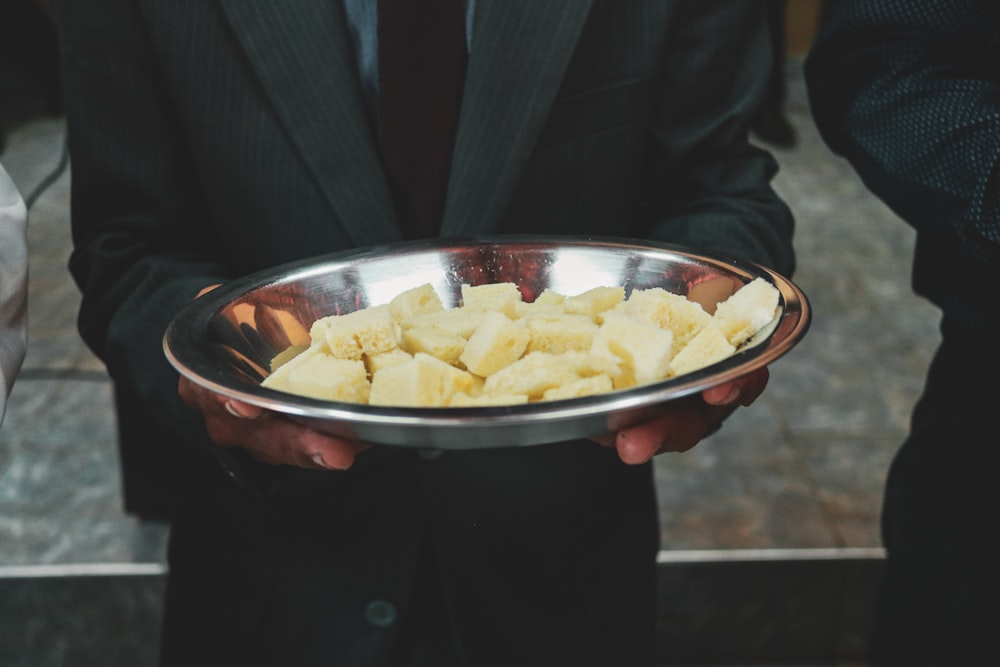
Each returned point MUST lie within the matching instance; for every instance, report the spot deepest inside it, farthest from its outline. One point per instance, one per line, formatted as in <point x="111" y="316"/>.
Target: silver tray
<point x="224" y="340"/>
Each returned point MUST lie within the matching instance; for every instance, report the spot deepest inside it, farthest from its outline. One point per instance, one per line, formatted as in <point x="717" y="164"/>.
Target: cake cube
<point x="424" y="381"/>
<point x="632" y="351"/>
<point x="492" y="296"/>
<point x="587" y="386"/>
<point x="668" y="311"/>
<point x="707" y="347"/>
<point x="349" y="336"/>
<point x="286" y="355"/>
<point x="323" y="376"/>
<point x="376" y="362"/>
<point x="422" y="299"/>
<point x="531" y="375"/>
<point x="459" y="321"/>
<point x="498" y="342"/>
<point x="436" y="342"/>
<point x="747" y="311"/>
<point x="594" y="301"/>
<point x="560" y="334"/>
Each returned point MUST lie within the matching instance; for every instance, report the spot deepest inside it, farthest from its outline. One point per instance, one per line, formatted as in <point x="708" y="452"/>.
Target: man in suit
<point x="907" y="91"/>
<point x="212" y="138"/>
<point x="13" y="285"/>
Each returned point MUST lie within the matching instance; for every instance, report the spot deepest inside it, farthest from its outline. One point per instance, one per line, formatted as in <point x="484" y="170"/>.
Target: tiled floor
<point x="800" y="470"/>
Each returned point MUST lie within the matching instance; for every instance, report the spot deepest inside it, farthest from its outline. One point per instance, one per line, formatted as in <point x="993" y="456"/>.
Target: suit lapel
<point x="302" y="53"/>
<point x="520" y="51"/>
<point x="519" y="54"/>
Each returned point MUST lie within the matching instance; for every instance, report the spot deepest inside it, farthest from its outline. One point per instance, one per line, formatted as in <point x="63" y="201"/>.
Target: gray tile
<point x="26" y="408"/>
<point x="740" y="489"/>
<point x="849" y="473"/>
<point x="61" y="413"/>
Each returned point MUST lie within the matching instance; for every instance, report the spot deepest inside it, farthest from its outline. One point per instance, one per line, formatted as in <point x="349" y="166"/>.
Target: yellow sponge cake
<point x="594" y="301"/>
<point x="747" y="311"/>
<point x="493" y="296"/>
<point x="424" y="381"/>
<point x="668" y="311"/>
<point x="531" y="375"/>
<point x="632" y="351"/>
<point x="437" y="342"/>
<point x="495" y="349"/>
<point x="367" y="331"/>
<point x="498" y="341"/>
<point x="323" y="377"/>
<point x="422" y="299"/>
<point x="460" y="321"/>
<point x="588" y="386"/>
<point x="555" y="334"/>
<point x="708" y="347"/>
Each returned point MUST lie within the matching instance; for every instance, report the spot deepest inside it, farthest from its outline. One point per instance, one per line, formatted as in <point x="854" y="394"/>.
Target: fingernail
<point x="231" y="409"/>
<point x="605" y="439"/>
<point x="731" y="397"/>
<point x="318" y="460"/>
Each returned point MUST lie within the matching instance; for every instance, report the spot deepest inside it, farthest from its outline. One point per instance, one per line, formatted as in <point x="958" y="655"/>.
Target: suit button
<point x="431" y="454"/>
<point x="380" y="613"/>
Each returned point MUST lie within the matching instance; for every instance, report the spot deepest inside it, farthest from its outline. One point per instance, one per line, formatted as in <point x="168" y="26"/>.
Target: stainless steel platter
<point x="224" y="340"/>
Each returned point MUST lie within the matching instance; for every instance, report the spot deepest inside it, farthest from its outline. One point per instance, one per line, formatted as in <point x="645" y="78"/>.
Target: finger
<point x="207" y="401"/>
<point x="678" y="432"/>
<point x="635" y="449"/>
<point x="741" y="391"/>
<point x="330" y="453"/>
<point x="753" y="386"/>
<point x="200" y="398"/>
<point x="228" y="422"/>
<point x="242" y="410"/>
<point x="266" y="436"/>
<point x="722" y="394"/>
<point x="276" y="440"/>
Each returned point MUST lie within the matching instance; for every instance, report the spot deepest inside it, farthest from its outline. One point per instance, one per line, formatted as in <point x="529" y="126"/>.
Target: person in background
<point x="909" y="92"/>
<point x="213" y="139"/>
<point x="13" y="285"/>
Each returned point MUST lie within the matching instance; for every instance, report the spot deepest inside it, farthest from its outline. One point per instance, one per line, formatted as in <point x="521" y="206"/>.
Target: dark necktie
<point x="422" y="56"/>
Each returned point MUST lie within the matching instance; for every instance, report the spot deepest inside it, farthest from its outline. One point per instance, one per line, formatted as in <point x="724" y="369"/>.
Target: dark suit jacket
<point x="211" y="138"/>
<point x="907" y="92"/>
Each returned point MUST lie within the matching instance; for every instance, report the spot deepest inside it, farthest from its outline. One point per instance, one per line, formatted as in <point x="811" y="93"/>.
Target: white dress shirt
<point x="13" y="285"/>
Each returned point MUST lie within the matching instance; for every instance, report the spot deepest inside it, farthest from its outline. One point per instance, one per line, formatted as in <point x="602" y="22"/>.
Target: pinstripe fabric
<point x="338" y="145"/>
<point x="520" y="55"/>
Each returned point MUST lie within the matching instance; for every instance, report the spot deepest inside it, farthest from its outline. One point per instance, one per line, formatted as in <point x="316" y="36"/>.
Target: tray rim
<point x="369" y="422"/>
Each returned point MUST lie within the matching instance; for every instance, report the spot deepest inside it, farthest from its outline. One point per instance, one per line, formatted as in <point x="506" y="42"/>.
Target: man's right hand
<point x="267" y="436"/>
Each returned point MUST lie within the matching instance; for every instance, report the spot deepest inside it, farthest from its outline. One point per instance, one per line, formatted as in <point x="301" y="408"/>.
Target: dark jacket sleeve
<point x="713" y="186"/>
<point x="909" y="92"/>
<point x="648" y="138"/>
<point x="140" y="246"/>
